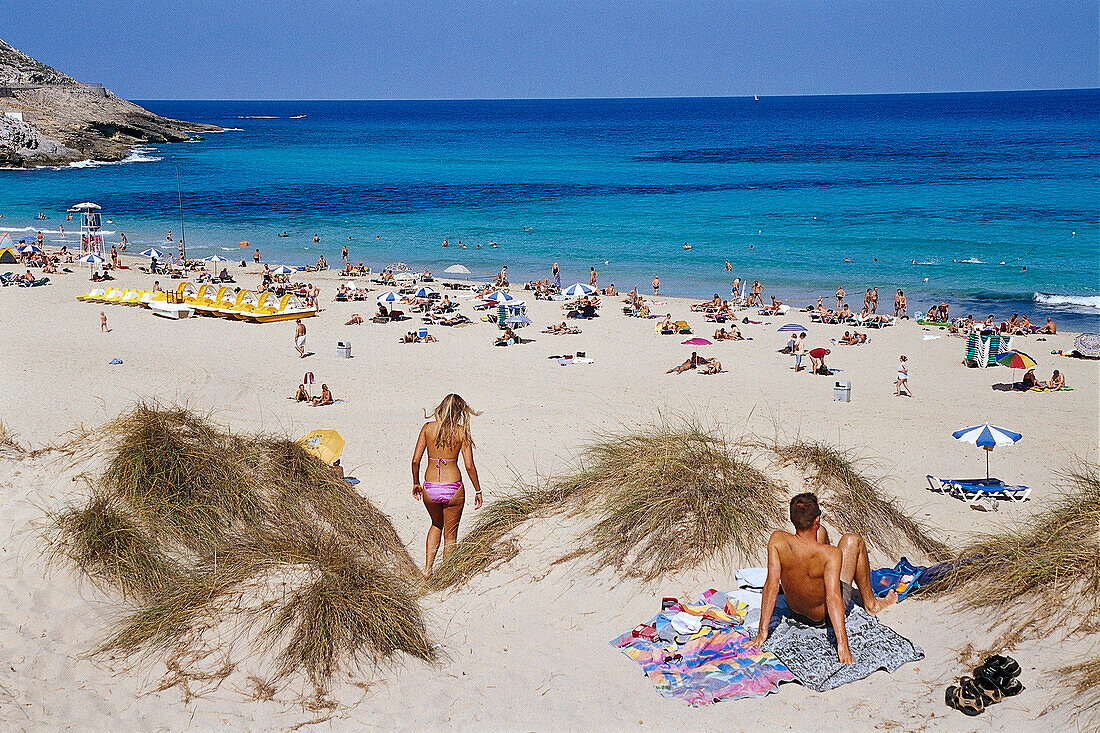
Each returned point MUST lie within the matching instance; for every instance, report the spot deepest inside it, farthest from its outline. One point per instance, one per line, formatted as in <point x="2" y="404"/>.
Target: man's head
<point x="804" y="511"/>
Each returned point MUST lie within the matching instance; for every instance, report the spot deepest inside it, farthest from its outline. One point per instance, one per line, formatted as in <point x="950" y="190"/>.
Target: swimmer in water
<point x="729" y="267"/>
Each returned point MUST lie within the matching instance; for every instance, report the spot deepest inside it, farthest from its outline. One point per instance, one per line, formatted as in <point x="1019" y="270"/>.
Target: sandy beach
<point x="526" y="644"/>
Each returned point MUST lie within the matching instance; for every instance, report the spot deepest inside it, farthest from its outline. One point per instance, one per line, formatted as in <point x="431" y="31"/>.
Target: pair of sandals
<point x="993" y="681"/>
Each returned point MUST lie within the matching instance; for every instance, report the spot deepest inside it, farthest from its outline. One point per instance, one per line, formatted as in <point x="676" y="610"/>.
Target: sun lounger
<point x="971" y="489"/>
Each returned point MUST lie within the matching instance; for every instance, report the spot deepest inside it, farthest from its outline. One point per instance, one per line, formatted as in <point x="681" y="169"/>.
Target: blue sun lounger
<point x="978" y="488"/>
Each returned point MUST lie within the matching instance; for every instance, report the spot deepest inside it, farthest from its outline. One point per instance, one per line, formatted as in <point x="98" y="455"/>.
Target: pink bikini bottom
<point x="441" y="493"/>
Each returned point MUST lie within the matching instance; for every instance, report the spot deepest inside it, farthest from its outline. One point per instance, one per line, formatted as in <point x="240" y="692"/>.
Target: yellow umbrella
<point x="326" y="443"/>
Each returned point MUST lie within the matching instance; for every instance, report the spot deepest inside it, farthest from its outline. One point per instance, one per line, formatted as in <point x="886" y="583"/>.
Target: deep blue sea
<point x="990" y="201"/>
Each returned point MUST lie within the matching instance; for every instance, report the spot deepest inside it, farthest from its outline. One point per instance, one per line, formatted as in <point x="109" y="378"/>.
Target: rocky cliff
<point x="64" y="120"/>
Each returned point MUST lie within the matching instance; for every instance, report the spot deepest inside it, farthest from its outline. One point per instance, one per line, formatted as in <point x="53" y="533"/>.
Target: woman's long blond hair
<point x="453" y="415"/>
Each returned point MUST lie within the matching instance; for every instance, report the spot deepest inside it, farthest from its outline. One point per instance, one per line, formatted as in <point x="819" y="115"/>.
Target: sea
<point x="988" y="201"/>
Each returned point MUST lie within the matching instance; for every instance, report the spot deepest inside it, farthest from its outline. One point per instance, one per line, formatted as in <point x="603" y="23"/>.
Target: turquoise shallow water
<point x="784" y="188"/>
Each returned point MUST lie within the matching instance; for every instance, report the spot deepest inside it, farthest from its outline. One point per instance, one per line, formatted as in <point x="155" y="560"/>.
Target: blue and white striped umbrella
<point x="576" y="290"/>
<point x="792" y="327"/>
<point x="390" y="297"/>
<point x="986" y="436"/>
<point x="91" y="259"/>
<point x="424" y="292"/>
<point x="499" y="296"/>
<point x="29" y="249"/>
<point x="214" y="258"/>
<point x="282" y="270"/>
<point x="152" y="252"/>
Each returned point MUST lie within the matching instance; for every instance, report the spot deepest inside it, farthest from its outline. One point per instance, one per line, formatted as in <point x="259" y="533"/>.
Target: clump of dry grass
<point x="1085" y="678"/>
<point x="673" y="497"/>
<point x="487" y="543"/>
<point x="1042" y="574"/>
<point x="666" y="497"/>
<point x="854" y="503"/>
<point x="187" y="519"/>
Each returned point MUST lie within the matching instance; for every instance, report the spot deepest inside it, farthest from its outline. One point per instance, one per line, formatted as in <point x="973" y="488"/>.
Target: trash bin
<point x="343" y="349"/>
<point x="842" y="391"/>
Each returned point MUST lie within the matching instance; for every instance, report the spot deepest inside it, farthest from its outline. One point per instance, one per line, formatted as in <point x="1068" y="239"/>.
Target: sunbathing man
<point x="694" y="361"/>
<point x="721" y="335"/>
<point x="325" y="397"/>
<point x="713" y="366"/>
<point x="1057" y="381"/>
<point x="1048" y="328"/>
<point x="355" y="320"/>
<point x="817" y="577"/>
<point x="301" y="395"/>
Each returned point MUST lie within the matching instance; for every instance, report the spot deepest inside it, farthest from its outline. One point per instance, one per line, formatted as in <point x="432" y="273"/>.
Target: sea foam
<point x="1091" y="302"/>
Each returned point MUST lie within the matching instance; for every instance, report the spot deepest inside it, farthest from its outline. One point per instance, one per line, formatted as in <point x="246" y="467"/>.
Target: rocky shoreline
<point x="48" y="118"/>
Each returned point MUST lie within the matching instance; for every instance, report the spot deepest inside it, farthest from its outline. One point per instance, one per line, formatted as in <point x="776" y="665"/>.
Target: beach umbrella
<point x="29" y="249"/>
<point x="1087" y="344"/>
<point x="389" y="297"/>
<point x="499" y="297"/>
<point x="282" y="270"/>
<point x="696" y="342"/>
<point x="792" y="327"/>
<point x="91" y="259"/>
<point x="424" y="292"/>
<point x="151" y="252"/>
<point x="1015" y="360"/>
<point x="214" y="258"/>
<point x="404" y="276"/>
<point x="458" y="270"/>
<point x="518" y="321"/>
<point x="326" y="443"/>
<point x="988" y="437"/>
<point x="576" y="290"/>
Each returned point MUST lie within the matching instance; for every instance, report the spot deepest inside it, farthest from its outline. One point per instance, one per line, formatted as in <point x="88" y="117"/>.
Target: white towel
<point x="752" y="577"/>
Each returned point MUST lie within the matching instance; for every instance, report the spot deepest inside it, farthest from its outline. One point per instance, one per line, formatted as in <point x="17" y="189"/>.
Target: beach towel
<point x="751" y="577"/>
<point x="810" y="652"/>
<point x="713" y="664"/>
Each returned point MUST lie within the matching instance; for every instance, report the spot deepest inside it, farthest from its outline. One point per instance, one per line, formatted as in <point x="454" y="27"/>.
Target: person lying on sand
<point x="694" y="361"/>
<point x="816" y="577"/>
<point x="355" y="320"/>
<point x="325" y="398"/>
<point x="711" y="367"/>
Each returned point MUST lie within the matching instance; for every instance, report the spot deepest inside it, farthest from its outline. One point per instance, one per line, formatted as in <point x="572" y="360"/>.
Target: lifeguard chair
<point x="91" y="241"/>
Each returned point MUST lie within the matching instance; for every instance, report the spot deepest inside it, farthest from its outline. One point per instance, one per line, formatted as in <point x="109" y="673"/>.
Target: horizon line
<point x="603" y="99"/>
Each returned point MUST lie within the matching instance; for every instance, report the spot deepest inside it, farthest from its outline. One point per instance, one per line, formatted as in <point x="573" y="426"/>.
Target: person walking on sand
<point x="103" y="323"/>
<point x="903" y="377"/>
<point x="592" y="278"/>
<point x="840" y="296"/>
<point x="256" y="256"/>
<point x="445" y="437"/>
<point x="656" y="284"/>
<point x="874" y="299"/>
<point x="300" y="338"/>
<point x="899" y="304"/>
<point x="344" y="254"/>
<point x="556" y="272"/>
<point x="817" y="577"/>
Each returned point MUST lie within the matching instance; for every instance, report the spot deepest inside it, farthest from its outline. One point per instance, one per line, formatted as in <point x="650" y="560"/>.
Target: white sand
<point x="527" y="643"/>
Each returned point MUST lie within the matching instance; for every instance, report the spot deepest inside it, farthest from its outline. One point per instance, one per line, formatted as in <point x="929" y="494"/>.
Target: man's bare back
<point x="816" y="577"/>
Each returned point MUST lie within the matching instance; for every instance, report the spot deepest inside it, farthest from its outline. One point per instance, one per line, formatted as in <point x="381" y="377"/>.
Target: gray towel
<point x="810" y="653"/>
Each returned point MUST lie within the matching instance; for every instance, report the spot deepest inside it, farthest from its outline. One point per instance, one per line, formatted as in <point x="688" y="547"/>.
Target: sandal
<point x="957" y="698"/>
<point x="1009" y="686"/>
<point x="1005" y="666"/>
<point x="990" y="691"/>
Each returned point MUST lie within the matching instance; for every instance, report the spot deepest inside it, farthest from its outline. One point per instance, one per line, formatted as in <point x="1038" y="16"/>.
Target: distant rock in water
<point x="49" y="118"/>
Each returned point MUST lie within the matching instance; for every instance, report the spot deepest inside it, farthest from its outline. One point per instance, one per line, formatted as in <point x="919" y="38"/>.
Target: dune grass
<point x="1043" y="573"/>
<point x="1085" y="680"/>
<point x="187" y="518"/>
<point x="671" y="498"/>
<point x="851" y="502"/>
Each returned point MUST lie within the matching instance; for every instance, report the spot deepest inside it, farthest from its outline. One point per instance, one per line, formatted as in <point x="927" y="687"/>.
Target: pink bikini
<point x="441" y="493"/>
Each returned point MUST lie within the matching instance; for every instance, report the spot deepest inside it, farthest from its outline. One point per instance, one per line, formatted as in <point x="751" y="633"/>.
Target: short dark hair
<point x="804" y="510"/>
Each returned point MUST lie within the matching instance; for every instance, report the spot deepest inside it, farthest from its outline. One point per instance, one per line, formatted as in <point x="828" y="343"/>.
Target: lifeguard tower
<point x="91" y="241"/>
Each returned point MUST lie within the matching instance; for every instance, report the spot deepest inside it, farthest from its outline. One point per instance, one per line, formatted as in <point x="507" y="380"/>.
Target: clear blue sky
<point x="362" y="49"/>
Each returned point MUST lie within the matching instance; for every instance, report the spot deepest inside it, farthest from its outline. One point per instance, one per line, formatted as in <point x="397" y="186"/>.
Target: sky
<point x="438" y="49"/>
